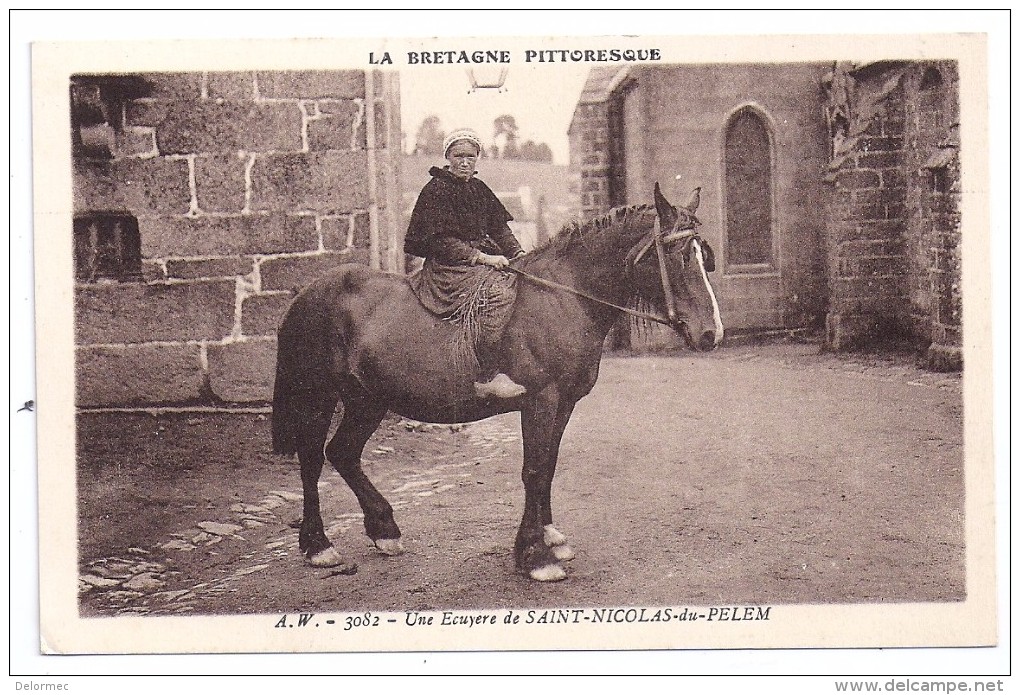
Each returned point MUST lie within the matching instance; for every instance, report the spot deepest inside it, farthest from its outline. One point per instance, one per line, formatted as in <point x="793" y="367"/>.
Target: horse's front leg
<point x="539" y="547"/>
<point x="553" y="538"/>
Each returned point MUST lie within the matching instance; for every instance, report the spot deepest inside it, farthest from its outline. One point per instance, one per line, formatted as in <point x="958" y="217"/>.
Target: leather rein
<point x="655" y="238"/>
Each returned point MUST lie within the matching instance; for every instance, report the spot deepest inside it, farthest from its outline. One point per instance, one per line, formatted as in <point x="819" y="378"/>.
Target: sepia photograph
<point x="514" y="343"/>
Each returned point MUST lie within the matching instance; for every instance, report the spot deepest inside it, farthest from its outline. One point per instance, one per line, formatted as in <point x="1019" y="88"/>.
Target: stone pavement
<point x="142" y="581"/>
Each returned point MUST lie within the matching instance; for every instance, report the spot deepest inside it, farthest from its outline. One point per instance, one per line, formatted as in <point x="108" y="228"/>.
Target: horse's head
<point x="672" y="264"/>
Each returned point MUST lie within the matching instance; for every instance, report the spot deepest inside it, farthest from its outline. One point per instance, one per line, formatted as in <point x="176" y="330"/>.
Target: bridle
<point x="674" y="318"/>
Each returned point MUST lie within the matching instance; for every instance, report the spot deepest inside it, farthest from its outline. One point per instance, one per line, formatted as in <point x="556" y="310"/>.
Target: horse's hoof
<point x="552" y="537"/>
<point x="390" y="546"/>
<point x="548" y="573"/>
<point x="563" y="553"/>
<point x="326" y="558"/>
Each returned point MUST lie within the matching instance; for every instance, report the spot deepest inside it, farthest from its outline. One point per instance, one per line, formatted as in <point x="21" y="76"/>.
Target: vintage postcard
<point x="514" y="343"/>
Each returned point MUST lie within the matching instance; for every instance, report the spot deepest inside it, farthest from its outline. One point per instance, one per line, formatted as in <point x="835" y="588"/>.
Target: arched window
<point x="748" y="175"/>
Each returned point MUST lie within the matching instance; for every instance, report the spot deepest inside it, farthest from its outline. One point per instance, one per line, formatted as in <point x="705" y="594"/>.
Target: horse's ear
<point x="662" y="206"/>
<point x="694" y="201"/>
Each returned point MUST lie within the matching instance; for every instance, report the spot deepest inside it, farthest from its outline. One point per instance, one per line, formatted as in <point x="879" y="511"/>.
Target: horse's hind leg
<point x="312" y="538"/>
<point x="361" y="418"/>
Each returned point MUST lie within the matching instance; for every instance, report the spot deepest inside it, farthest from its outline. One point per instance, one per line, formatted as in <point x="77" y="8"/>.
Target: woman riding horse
<point x="362" y="337"/>
<point x="460" y="227"/>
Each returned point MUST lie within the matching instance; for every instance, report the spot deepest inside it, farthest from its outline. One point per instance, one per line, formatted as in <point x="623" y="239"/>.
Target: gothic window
<point x="749" y="192"/>
<point x="932" y="109"/>
<point x="931" y="80"/>
<point x="929" y="102"/>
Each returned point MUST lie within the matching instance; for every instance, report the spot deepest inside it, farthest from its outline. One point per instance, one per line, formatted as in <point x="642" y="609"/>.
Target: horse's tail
<point x="300" y="367"/>
<point x="285" y="414"/>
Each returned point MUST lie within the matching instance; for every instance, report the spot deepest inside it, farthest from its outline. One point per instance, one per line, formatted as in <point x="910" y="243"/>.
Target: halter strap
<point x="667" y="288"/>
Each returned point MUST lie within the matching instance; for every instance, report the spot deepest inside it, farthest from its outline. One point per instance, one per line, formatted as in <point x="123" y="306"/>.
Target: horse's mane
<point x="590" y="233"/>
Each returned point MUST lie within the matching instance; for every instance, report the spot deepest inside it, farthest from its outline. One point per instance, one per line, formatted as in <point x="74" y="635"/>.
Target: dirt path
<point x="752" y="475"/>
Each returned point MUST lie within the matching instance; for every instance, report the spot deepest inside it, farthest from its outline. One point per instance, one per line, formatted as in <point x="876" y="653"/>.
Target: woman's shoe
<point x="500" y="386"/>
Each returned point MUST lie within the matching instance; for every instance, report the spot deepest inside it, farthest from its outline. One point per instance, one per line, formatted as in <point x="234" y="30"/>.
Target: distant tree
<point x="430" y="137"/>
<point x="505" y="128"/>
<point x="536" y="152"/>
<point x="506" y="135"/>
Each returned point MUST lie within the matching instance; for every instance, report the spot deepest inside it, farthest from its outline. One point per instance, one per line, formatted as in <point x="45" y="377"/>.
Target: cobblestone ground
<point x="247" y="537"/>
<point x="755" y="474"/>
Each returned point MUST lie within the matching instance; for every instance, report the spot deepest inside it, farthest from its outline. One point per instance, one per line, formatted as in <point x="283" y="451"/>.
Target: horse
<point x="360" y="337"/>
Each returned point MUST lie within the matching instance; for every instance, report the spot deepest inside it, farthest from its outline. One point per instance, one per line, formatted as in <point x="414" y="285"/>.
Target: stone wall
<point x="866" y="225"/>
<point x="590" y="132"/>
<point x="589" y="141"/>
<point x="893" y="229"/>
<point x="934" y="226"/>
<point x="246" y="187"/>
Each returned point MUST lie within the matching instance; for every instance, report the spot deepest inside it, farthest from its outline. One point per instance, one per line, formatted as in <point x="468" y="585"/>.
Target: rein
<point x="580" y="293"/>
<point x="672" y="319"/>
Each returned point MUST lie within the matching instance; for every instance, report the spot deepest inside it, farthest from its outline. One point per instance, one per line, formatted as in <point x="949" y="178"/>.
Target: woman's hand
<point x="491" y="260"/>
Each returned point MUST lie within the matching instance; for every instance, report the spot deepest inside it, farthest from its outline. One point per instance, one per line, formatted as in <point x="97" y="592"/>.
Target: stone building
<point x="829" y="191"/>
<point x="202" y="201"/>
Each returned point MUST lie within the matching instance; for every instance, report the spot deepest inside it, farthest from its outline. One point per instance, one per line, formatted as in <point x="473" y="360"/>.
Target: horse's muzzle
<point x="706" y="342"/>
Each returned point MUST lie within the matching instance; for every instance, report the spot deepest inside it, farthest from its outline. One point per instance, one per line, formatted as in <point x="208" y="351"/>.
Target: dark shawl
<point x="453" y="218"/>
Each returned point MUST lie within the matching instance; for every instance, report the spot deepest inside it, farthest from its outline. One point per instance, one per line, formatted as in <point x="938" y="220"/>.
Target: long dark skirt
<point x="478" y="298"/>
